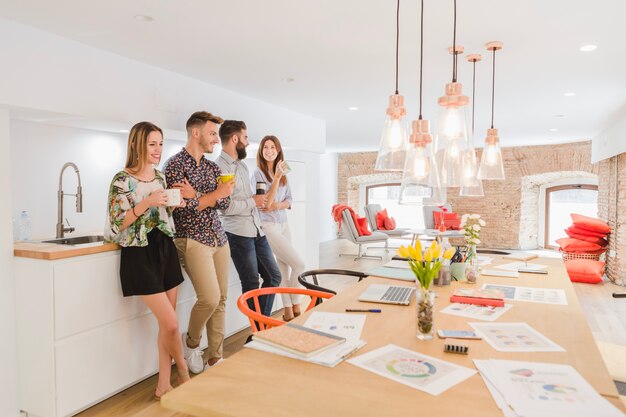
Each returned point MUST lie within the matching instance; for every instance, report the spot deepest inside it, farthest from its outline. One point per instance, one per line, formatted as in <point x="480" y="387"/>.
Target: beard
<point x="241" y="151"/>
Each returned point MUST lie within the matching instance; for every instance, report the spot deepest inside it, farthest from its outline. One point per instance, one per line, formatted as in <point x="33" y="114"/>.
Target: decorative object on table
<point x="471" y="224"/>
<point x="455" y="349"/>
<point x="425" y="267"/>
<point x="444" y="276"/>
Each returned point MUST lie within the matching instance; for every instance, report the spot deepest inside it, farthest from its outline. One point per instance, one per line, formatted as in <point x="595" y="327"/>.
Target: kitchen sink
<point x="76" y="240"/>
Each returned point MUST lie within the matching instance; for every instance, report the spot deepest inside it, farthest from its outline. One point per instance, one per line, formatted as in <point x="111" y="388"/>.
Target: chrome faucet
<point x="79" y="200"/>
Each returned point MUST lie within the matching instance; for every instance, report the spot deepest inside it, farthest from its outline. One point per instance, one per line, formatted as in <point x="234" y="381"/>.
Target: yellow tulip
<point x="436" y="251"/>
<point x="418" y="246"/>
<point x="449" y="253"/>
<point x="433" y="245"/>
<point x="413" y="254"/>
<point x="428" y="255"/>
<point x="403" y="252"/>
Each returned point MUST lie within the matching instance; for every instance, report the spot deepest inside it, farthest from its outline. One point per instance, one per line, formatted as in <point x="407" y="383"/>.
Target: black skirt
<point x="151" y="269"/>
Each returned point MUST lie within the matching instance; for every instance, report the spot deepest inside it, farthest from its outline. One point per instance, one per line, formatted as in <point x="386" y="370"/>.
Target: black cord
<point x="421" y="55"/>
<point x="454" y="47"/>
<point x="397" y="41"/>
<point x="493" y="84"/>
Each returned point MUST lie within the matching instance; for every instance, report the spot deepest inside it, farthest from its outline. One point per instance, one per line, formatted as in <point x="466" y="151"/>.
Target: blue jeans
<point x="253" y="256"/>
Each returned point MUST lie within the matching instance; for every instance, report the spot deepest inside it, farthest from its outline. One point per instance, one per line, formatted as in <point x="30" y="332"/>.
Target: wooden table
<point x="254" y="383"/>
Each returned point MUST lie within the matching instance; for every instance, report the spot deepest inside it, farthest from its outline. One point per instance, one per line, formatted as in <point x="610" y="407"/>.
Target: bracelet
<point x="133" y="208"/>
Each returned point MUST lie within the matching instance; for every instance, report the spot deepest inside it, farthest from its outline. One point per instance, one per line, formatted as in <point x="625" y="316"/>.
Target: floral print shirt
<point x="202" y="226"/>
<point x="125" y="192"/>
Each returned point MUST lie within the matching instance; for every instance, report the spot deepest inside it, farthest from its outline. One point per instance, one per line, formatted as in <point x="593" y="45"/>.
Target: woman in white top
<point x="271" y="170"/>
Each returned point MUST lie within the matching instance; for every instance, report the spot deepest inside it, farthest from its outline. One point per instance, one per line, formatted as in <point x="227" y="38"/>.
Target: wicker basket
<point x="568" y="256"/>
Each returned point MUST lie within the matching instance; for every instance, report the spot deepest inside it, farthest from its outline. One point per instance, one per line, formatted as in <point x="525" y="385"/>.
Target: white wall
<point x="8" y="352"/>
<point x="611" y="141"/>
<point x="328" y="195"/>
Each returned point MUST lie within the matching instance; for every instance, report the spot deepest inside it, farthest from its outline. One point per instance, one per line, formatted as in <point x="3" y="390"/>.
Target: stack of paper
<point x="532" y="389"/>
<point x="298" y="340"/>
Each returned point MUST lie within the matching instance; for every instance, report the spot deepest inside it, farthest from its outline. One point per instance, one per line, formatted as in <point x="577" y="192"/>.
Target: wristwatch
<point x="198" y="194"/>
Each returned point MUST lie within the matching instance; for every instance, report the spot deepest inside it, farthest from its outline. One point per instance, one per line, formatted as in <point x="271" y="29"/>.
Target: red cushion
<point x="592" y="239"/>
<point x="585" y="270"/>
<point x="591" y="224"/>
<point x="380" y="218"/>
<point x="361" y="226"/>
<point x="569" y="244"/>
<point x="575" y="229"/>
<point x="450" y="220"/>
<point x="390" y="223"/>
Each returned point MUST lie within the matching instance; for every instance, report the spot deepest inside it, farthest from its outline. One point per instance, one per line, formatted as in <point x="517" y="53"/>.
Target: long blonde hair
<point x="262" y="163"/>
<point x="137" y="149"/>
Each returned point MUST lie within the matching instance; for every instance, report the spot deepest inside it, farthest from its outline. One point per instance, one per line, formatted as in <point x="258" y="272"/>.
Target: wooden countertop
<point x="52" y="251"/>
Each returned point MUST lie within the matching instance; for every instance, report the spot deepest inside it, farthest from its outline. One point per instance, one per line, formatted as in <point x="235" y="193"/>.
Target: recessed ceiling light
<point x="588" y="48"/>
<point x="559" y="115"/>
<point x="289" y="80"/>
<point x="553" y="129"/>
<point x="569" y="94"/>
<point x="353" y="108"/>
<point x="144" y="18"/>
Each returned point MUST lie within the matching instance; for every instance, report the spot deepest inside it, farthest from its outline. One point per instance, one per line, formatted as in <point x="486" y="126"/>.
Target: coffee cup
<point x="173" y="196"/>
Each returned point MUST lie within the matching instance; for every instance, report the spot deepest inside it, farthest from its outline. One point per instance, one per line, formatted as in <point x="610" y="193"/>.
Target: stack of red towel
<point x="587" y="236"/>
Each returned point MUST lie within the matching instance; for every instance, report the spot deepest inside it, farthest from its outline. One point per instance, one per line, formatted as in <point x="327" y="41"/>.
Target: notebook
<point x="387" y="294"/>
<point x="297" y="339"/>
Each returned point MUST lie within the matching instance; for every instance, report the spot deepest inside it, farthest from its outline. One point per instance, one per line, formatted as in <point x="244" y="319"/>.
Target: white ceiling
<point x="340" y="53"/>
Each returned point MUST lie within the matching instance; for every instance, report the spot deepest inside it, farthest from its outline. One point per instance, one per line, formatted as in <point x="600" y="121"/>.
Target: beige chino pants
<point x="207" y="267"/>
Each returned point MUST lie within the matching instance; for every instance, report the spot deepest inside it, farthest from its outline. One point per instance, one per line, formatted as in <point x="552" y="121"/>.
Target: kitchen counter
<point x="53" y="251"/>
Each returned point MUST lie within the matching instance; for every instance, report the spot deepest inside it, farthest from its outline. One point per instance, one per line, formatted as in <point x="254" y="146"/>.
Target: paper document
<point x="529" y="294"/>
<point x="515" y="337"/>
<point x="500" y="273"/>
<point x="345" y="325"/>
<point x="515" y="266"/>
<point x="487" y="313"/>
<point x="397" y="264"/>
<point x="535" y="389"/>
<point x="330" y="357"/>
<point x="413" y="369"/>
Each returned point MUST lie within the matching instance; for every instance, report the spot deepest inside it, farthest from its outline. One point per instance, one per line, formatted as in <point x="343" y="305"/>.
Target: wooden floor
<point x="605" y="316"/>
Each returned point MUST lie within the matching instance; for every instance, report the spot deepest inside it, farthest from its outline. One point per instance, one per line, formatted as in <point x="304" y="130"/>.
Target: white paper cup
<point x="173" y="196"/>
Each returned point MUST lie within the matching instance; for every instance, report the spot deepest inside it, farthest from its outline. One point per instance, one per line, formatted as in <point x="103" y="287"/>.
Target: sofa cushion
<point x="586" y="238"/>
<point x="590" y="223"/>
<point x="569" y="244"/>
<point x="380" y="218"/>
<point x="575" y="229"/>
<point x="585" y="270"/>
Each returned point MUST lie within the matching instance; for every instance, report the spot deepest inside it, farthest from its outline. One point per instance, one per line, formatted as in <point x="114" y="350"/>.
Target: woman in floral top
<point x="140" y="221"/>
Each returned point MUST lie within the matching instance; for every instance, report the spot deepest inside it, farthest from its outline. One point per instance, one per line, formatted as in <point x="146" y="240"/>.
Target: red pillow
<point x="361" y="226"/>
<point x="591" y="224"/>
<point x="575" y="229"/>
<point x="380" y="218"/>
<point x="450" y="220"/>
<point x="390" y="223"/>
<point x="569" y="244"/>
<point x="585" y="270"/>
<point x="592" y="239"/>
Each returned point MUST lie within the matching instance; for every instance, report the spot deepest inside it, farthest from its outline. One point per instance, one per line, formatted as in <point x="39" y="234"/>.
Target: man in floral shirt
<point x="200" y="238"/>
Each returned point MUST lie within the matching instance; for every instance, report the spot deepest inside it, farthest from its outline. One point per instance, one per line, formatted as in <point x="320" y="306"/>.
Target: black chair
<point x="313" y="283"/>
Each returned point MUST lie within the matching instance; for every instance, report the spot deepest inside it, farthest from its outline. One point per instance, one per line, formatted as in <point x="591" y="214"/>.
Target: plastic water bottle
<point x="24" y="226"/>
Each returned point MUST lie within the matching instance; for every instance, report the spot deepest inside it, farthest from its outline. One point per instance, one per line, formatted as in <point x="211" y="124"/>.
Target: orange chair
<point x="260" y="322"/>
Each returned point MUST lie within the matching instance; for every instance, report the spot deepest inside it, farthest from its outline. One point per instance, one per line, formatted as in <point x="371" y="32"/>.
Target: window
<point x="388" y="195"/>
<point x="563" y="200"/>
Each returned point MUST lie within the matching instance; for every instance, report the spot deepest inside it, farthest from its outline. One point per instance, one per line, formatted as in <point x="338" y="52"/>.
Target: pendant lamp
<point x="474" y="185"/>
<point x="420" y="178"/>
<point x="393" y="143"/>
<point x="452" y="142"/>
<point x="491" y="165"/>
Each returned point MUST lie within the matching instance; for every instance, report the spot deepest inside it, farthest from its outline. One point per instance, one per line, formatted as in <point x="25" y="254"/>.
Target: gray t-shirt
<point x="282" y="194"/>
<point x="241" y="217"/>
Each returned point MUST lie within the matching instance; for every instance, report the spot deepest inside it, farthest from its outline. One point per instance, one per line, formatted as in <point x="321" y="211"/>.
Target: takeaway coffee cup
<point x="173" y="196"/>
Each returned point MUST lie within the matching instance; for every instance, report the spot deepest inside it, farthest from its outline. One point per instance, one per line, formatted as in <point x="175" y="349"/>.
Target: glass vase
<point x="425" y="309"/>
<point x="471" y="265"/>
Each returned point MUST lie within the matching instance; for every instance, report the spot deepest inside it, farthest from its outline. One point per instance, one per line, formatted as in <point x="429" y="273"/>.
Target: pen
<point x="369" y="310"/>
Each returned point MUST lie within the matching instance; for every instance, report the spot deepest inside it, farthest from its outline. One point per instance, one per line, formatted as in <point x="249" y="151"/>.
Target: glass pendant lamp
<point x="420" y="177"/>
<point x="491" y="164"/>
<point x="452" y="142"/>
<point x="473" y="186"/>
<point x="393" y="143"/>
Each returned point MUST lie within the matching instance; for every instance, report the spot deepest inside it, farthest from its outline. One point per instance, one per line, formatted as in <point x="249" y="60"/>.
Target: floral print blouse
<point x="125" y="192"/>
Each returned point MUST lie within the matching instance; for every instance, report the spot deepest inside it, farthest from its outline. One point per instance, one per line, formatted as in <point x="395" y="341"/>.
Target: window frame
<point x="549" y="190"/>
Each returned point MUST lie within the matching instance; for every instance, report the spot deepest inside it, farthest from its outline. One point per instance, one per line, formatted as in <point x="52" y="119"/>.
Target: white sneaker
<point x="193" y="357"/>
<point x="207" y="366"/>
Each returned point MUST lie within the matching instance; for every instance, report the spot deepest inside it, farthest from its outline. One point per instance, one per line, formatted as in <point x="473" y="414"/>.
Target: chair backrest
<point x="427" y="211"/>
<point x="313" y="274"/>
<point x="348" y="227"/>
<point x="370" y="212"/>
<point x="259" y="321"/>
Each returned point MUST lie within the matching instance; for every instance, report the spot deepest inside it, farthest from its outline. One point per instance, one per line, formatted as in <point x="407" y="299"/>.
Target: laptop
<point x="388" y="294"/>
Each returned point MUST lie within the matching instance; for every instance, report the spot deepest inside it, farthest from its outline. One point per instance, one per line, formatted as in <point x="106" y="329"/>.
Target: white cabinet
<point x="79" y="340"/>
